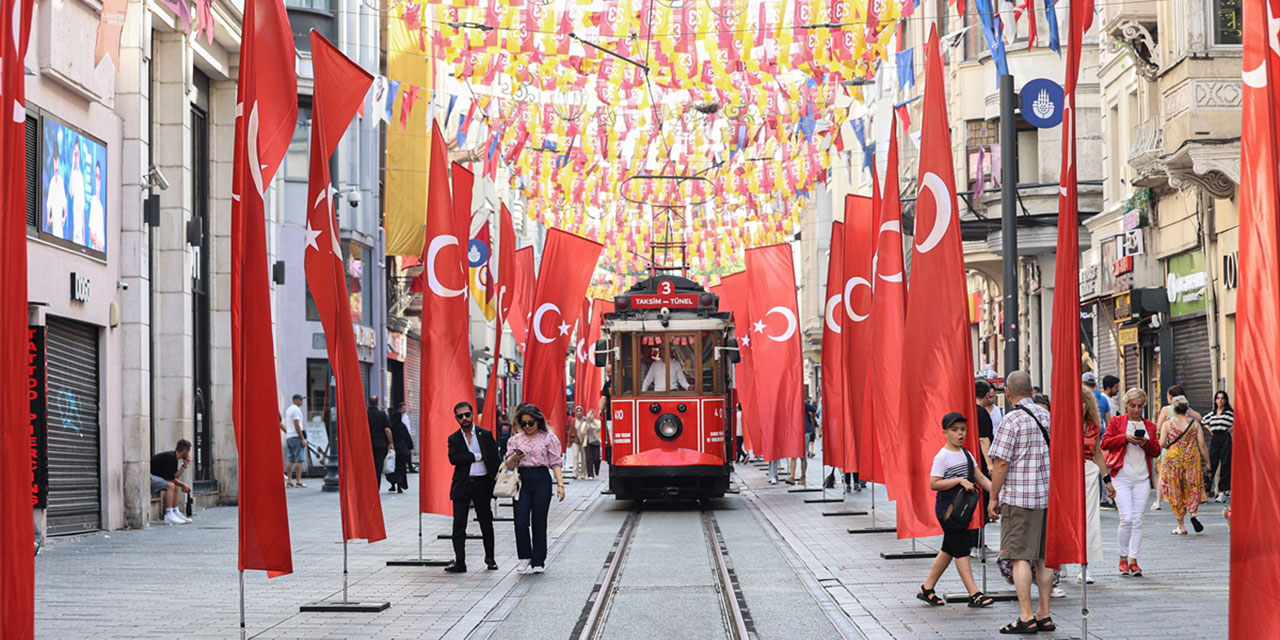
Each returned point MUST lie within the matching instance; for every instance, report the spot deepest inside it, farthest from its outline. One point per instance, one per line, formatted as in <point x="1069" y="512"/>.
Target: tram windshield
<point x="667" y="363"/>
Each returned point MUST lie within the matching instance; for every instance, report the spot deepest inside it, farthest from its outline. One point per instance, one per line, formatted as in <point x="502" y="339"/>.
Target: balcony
<point x="1111" y="15"/>
<point x="1144" y="154"/>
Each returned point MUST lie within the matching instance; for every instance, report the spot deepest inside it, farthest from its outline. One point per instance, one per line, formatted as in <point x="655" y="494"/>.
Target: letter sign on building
<point x="79" y="287"/>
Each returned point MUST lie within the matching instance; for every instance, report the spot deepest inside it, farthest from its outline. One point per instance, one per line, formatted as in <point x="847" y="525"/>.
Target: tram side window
<point x="625" y="369"/>
<point x="710" y="381"/>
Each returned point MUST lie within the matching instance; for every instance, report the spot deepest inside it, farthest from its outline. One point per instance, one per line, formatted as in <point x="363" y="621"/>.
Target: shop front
<point x="1191" y="366"/>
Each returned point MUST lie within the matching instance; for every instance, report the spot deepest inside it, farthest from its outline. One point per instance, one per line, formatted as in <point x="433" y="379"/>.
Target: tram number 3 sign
<point x="665" y="297"/>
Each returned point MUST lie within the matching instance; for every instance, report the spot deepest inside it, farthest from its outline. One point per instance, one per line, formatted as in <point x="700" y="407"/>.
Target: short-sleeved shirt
<point x="1104" y="405"/>
<point x="949" y="464"/>
<point x="809" y="411"/>
<point x="542" y="450"/>
<point x="294" y="412"/>
<point x="1220" y="421"/>
<point x="164" y="465"/>
<point x="1020" y="443"/>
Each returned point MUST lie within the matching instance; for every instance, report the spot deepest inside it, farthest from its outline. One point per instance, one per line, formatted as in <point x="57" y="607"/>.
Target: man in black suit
<point x="379" y="436"/>
<point x="474" y="455"/>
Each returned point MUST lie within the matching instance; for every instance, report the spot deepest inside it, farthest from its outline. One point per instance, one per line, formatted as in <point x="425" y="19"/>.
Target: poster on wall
<point x="73" y="179"/>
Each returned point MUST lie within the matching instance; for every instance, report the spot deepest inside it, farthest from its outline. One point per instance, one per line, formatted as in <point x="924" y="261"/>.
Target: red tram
<point x="672" y="352"/>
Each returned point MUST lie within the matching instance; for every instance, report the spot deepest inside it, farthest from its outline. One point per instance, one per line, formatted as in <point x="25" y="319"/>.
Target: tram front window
<point x="710" y="383"/>
<point x="662" y="372"/>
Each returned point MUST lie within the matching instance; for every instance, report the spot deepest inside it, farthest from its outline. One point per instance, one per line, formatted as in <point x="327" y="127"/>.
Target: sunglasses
<point x="528" y="423"/>
<point x="460" y="416"/>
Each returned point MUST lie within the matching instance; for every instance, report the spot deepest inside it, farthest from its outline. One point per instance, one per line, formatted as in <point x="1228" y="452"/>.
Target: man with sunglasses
<point x="474" y="455"/>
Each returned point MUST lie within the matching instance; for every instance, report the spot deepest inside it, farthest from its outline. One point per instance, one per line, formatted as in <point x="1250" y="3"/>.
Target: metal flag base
<point x="821" y="500"/>
<point x="420" y="561"/>
<point x="983" y="554"/>
<point x="449" y="536"/>
<point x="345" y="605"/>
<point x="843" y="513"/>
<point x="873" y="528"/>
<point x="913" y="554"/>
<point x="998" y="596"/>
<point x="804" y="490"/>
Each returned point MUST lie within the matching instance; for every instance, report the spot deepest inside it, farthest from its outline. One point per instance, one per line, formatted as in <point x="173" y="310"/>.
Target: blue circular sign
<point x="477" y="252"/>
<point x="1042" y="102"/>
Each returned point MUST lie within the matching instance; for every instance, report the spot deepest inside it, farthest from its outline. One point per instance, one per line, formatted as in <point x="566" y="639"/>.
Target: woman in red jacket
<point x="1130" y="443"/>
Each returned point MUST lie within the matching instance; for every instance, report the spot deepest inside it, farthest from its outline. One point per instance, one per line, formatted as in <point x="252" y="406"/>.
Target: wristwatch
<point x="1106" y="479"/>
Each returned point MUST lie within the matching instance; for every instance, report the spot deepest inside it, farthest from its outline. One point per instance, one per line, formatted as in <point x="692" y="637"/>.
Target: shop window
<point x="1227" y="29"/>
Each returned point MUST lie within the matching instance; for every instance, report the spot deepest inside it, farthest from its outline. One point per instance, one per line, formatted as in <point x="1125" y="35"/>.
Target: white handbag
<point x="507" y="484"/>
<point x="389" y="463"/>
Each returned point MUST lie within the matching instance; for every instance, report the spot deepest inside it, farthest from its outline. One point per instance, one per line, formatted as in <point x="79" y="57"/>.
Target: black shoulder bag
<point x="959" y="515"/>
<point x="1031" y="413"/>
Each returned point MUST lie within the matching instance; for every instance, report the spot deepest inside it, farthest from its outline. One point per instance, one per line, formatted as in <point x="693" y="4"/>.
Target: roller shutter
<point x="1104" y="340"/>
<point x="74" y="475"/>
<point x="1193" y="368"/>
<point x="1132" y="368"/>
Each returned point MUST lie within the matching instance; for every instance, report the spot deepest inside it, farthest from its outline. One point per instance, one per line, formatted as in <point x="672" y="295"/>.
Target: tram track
<point x="611" y="588"/>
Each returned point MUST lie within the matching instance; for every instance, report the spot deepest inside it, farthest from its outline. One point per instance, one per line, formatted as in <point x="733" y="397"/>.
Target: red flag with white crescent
<point x="593" y="376"/>
<point x="859" y="231"/>
<point x="775" y="338"/>
<point x="833" y="387"/>
<point x="567" y="264"/>
<point x="1255" y="512"/>
<point x="446" y="350"/>
<point x="733" y="298"/>
<point x="266" y="116"/>
<point x="581" y="359"/>
<point x="523" y="278"/>
<point x="937" y="372"/>
<point x="1065" y="533"/>
<point x="501" y="268"/>
<point x="340" y="87"/>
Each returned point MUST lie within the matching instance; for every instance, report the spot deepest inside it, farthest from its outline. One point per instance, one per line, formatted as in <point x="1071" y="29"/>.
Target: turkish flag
<point x="937" y="371"/>
<point x="446" y="350"/>
<point x="340" y="87"/>
<point x="592" y="376"/>
<point x="463" y="181"/>
<point x="567" y="264"/>
<point x="580" y="356"/>
<point x="733" y="298"/>
<point x="523" y="278"/>
<point x="17" y="564"/>
<point x="859" y="235"/>
<point x="1065" y="528"/>
<point x="833" y="373"/>
<point x="1255" y="512"/>
<point x="888" y="314"/>
<point x="775" y="339"/>
<point x="266" y="116"/>
<point x="501" y="270"/>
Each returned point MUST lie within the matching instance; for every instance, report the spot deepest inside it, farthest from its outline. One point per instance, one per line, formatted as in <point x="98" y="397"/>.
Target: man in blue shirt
<point x="1104" y="406"/>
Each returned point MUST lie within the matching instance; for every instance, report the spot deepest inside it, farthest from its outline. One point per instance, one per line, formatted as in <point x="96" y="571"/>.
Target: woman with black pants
<point x="536" y="453"/>
<point x="1221" y="422"/>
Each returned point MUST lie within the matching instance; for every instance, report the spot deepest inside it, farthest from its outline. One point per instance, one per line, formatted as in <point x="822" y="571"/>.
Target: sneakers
<point x="173" y="517"/>
<point x="1085" y="576"/>
<point x="538" y="569"/>
<point x="523" y="567"/>
<point x="773" y="481"/>
<point x="1217" y="498"/>
<point x="1155" y="506"/>
<point x="1057" y="593"/>
<point x="490" y="564"/>
<point x="1124" y="566"/>
<point x="1135" y="570"/>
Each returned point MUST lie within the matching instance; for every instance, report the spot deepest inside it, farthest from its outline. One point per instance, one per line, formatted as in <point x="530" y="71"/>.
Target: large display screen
<point x="73" y="179"/>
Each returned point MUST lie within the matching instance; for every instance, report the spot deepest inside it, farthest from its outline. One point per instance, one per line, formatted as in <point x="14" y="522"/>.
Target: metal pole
<point x="242" y="604"/>
<point x="982" y="552"/>
<point x="344" y="572"/>
<point x="1084" y="602"/>
<point x="1009" y="219"/>
<point x="873" y="504"/>
<point x="419" y="536"/>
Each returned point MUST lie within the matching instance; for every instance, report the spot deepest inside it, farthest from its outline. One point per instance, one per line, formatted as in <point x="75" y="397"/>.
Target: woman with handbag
<point x="1130" y="448"/>
<point x="953" y="476"/>
<point x="537" y="455"/>
<point x="1182" y="468"/>
<point x="1093" y="465"/>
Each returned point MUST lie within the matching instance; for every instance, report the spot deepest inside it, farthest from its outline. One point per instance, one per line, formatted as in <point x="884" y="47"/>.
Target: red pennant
<point x="835" y="424"/>
<point x="775" y="338"/>
<point x="855" y="305"/>
<point x="266" y="103"/>
<point x="506" y="264"/>
<point x="522" y="297"/>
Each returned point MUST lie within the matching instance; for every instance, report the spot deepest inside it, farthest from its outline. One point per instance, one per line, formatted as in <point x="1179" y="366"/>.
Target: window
<point x="668" y="363"/>
<point x="359" y="285"/>
<point x="626" y="375"/>
<point x="981" y="135"/>
<point x="33" y="171"/>
<point x="297" y="159"/>
<point x="710" y="379"/>
<point x="1226" y="22"/>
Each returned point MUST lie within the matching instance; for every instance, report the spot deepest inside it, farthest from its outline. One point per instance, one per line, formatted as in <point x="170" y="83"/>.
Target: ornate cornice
<point x="1213" y="167"/>
<point x="1135" y="40"/>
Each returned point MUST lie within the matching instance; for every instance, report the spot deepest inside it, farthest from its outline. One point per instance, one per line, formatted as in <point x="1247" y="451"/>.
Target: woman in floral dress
<point x="1182" y="467"/>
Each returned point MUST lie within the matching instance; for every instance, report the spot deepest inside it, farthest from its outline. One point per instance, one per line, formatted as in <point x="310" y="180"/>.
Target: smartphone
<point x="517" y="451"/>
<point x="1140" y="433"/>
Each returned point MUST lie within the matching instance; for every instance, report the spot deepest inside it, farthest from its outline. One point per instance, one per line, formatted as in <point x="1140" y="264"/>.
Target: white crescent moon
<point x="437" y="244"/>
<point x="942" y="204"/>
<point x="537" y="322"/>
<point x="791" y="324"/>
<point x="895" y="227"/>
<point x="832" y="304"/>
<point x="848" y="297"/>
<point x="502" y="300"/>
<point x="251" y="147"/>
<point x="582" y="355"/>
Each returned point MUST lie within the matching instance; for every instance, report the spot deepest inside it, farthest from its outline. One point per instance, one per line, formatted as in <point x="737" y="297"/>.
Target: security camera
<point x="122" y="285"/>
<point x="664" y="316"/>
<point x="353" y="198"/>
<point x="155" y="178"/>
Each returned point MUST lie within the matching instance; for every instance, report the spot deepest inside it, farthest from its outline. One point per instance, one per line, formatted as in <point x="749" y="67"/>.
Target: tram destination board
<point x="665" y="297"/>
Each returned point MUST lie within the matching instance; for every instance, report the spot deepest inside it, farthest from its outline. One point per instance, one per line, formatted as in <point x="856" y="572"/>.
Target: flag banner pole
<point x="242" y="604"/>
<point x="873" y="528"/>
<point x="1084" y="600"/>
<point x="346" y="605"/>
<point x="420" y="561"/>
<point x="824" y="497"/>
<point x="998" y="596"/>
<point x="846" y="512"/>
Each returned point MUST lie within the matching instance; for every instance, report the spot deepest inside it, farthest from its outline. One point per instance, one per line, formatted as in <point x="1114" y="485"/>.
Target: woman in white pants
<point x="1130" y="445"/>
<point x="1093" y="464"/>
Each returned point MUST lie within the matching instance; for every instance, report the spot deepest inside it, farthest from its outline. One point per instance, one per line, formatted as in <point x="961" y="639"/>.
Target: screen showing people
<point x="74" y="178"/>
<point x="669" y="362"/>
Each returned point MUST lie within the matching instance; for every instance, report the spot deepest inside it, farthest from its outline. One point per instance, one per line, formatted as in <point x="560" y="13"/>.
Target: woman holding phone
<point x="1131" y="444"/>
<point x="537" y="455"/>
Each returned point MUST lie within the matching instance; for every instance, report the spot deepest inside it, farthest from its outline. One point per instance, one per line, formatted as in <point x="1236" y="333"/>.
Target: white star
<point x="564" y="328"/>
<point x="746" y="340"/>
<point x="1273" y="31"/>
<point x="758" y="326"/>
<point x="312" y="234"/>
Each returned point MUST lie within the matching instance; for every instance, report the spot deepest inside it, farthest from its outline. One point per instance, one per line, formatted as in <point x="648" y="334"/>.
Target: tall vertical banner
<point x="408" y="159"/>
<point x="1065" y="529"/>
<point x="888" y="313"/>
<point x="567" y="264"/>
<point x="775" y="339"/>
<point x="581" y="354"/>
<point x="592" y="376"/>
<point x="522" y="278"/>
<point x="859" y="230"/>
<point x="501" y="269"/>
<point x="340" y="87"/>
<point x="937" y="372"/>
<point x="18" y="480"/>
<point x="266" y="116"/>
<point x="833" y="371"/>
<point x="446" y="350"/>
<point x="1255" y="512"/>
<point x="733" y="298"/>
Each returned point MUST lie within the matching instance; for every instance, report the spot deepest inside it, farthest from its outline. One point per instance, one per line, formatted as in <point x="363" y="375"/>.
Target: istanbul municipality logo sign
<point x="1042" y="101"/>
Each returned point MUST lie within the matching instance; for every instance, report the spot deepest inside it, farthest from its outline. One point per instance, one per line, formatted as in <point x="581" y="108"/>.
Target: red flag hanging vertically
<point x="833" y="385"/>
<point x="1065" y="529"/>
<point x="593" y="376"/>
<point x="888" y="313"/>
<point x="1255" y="512"/>
<point x="733" y="298"/>
<point x="340" y="87"/>
<point x="266" y="116"/>
<point x="522" y="297"/>
<point x="462" y="181"/>
<point x="567" y="264"/>
<point x="17" y="566"/>
<point x="937" y="372"/>
<point x="502" y="274"/>
<point x="581" y="354"/>
<point x="775" y="338"/>
<point x="859" y="229"/>
<point x="446" y="350"/>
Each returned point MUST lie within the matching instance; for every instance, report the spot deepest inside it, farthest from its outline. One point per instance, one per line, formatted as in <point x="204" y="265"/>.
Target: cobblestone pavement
<point x="180" y="582"/>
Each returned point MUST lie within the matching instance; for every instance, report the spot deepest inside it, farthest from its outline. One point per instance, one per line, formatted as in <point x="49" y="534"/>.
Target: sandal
<point x="1046" y="624"/>
<point x="927" y="595"/>
<point x="1021" y="627"/>
<point x="1179" y="532"/>
<point x="979" y="600"/>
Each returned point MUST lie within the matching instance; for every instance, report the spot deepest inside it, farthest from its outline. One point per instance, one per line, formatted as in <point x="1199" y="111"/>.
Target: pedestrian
<point x="402" y="440"/>
<point x="1221" y="424"/>
<point x="1182" y="467"/>
<point x="504" y="433"/>
<point x="988" y="403"/>
<point x="1090" y="380"/>
<point x="574" y="450"/>
<point x="741" y="458"/>
<point x="1093" y="465"/>
<point x="606" y="410"/>
<point x="165" y="472"/>
<point x="473" y="452"/>
<point x="591" y="437"/>
<point x="810" y="418"/>
<point x="295" y="441"/>
<point x="954" y="471"/>
<point x="380" y="436"/>
<point x="536" y="454"/>
<point x="1165" y="412"/>
<point x="1020" y="495"/>
<point x="1130" y="449"/>
<point x="1111" y="389"/>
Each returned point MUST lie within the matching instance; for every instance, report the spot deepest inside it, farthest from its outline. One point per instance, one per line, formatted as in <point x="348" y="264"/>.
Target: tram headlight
<point x="668" y="426"/>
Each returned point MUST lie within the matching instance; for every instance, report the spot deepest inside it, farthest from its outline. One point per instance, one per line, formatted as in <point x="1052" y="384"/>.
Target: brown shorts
<point x="1022" y="533"/>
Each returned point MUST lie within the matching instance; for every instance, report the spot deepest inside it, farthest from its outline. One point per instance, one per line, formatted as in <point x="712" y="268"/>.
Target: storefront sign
<point x="1185" y="284"/>
<point x="79" y="287"/>
<point x="397" y="346"/>
<point x="366" y="337"/>
<point x="38" y="416"/>
<point x="1132" y="220"/>
<point x="1128" y="336"/>
<point x="1231" y="270"/>
<point x="1088" y="280"/>
<point x="1122" y="266"/>
<point x="1123" y="308"/>
<point x="1133" y="244"/>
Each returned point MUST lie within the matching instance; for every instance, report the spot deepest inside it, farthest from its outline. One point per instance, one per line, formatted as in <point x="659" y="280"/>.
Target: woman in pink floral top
<point x="534" y="452"/>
